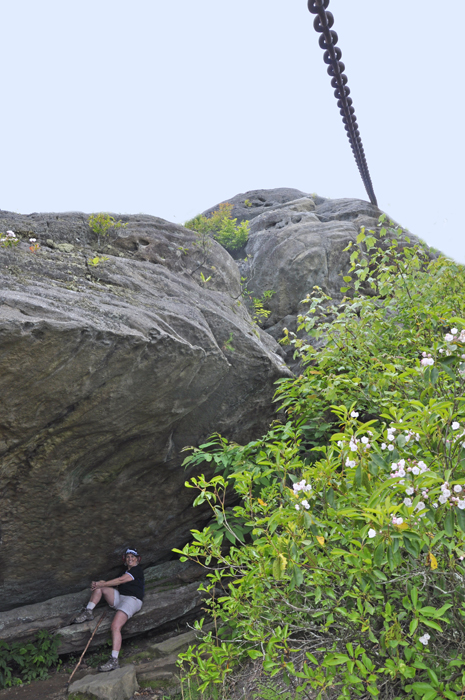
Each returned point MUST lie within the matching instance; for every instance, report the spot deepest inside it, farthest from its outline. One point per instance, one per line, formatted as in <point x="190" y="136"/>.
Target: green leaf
<point x="449" y="523"/>
<point x="378" y="556"/>
<point x="254" y="654"/>
<point x="358" y="477"/>
<point x="460" y="514"/>
<point x="412" y="546"/>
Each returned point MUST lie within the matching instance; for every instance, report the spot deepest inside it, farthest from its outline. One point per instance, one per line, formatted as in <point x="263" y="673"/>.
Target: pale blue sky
<point x="167" y="108"/>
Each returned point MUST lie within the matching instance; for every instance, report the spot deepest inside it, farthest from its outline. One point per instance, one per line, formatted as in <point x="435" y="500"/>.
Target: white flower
<point x="427" y="361"/>
<point x="415" y="471"/>
<point x="383" y="445"/>
<point x="442" y="498"/>
<point x="301" y="486"/>
<point x="420" y="505"/>
<point x="423" y="467"/>
<point x="446" y="493"/>
<point x="340" y="443"/>
<point x="350" y="462"/>
<point x="401" y="472"/>
<point x="448" y="338"/>
<point x="455" y="425"/>
<point x="454" y="331"/>
<point x="461" y="504"/>
<point x="353" y="445"/>
<point x="394" y="465"/>
<point x="457" y="488"/>
<point x="354" y="414"/>
<point x="425" y="639"/>
<point x="390" y="448"/>
<point x="409" y="491"/>
<point x="391" y="436"/>
<point x="32" y="240"/>
<point x="297" y="507"/>
<point x="306" y="504"/>
<point x="365" y="440"/>
<point x="401" y="462"/>
<point x="371" y="533"/>
<point x="397" y="521"/>
<point x="407" y="502"/>
<point x="435" y="505"/>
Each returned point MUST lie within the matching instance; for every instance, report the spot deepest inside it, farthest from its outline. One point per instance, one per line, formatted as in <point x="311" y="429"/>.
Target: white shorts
<point x="128" y="604"/>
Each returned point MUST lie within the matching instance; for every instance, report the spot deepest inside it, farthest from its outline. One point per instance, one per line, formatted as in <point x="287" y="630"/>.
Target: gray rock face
<point x="171" y="594"/>
<point x="107" y="371"/>
<point x="249" y="205"/>
<point x="296" y="242"/>
<point x="296" y="246"/>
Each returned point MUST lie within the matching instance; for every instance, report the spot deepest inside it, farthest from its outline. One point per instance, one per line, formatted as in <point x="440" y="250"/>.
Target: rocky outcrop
<point x="114" y="356"/>
<point x="118" y="352"/>
<point x="296" y="242"/>
<point x="171" y="595"/>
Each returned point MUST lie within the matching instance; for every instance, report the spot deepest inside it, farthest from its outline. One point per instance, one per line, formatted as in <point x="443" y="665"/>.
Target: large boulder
<point x="297" y="241"/>
<point x="115" y="354"/>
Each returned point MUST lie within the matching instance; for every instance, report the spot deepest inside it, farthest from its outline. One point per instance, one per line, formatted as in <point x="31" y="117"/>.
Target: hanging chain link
<point x="332" y="57"/>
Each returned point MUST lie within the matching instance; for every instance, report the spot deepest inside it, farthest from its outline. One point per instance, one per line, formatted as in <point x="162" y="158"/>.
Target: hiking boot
<point x="83" y="617"/>
<point x="111" y="665"/>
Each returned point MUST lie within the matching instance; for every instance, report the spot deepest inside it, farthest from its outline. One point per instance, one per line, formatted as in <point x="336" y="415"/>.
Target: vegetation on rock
<point x="222" y="227"/>
<point x="25" y="661"/>
<point x="344" y="572"/>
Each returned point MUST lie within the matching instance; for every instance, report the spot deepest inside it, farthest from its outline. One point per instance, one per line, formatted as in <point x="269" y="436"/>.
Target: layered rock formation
<point x="108" y="369"/>
<point x="297" y="241"/>
<point x="171" y="595"/>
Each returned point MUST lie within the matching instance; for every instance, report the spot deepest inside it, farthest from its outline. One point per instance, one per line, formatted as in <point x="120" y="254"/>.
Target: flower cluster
<point x="10" y="239"/>
<point x="425" y="639"/>
<point x="306" y="488"/>
<point x="427" y="359"/>
<point x="454" y="336"/>
<point x="390" y="437"/>
<point x="448" y="497"/>
<point x="302" y="486"/>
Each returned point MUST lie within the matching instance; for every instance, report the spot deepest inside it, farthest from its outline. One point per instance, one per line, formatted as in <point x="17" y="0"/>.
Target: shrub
<point x="221" y="227"/>
<point x="101" y="224"/>
<point x="26" y="661"/>
<point x="346" y="573"/>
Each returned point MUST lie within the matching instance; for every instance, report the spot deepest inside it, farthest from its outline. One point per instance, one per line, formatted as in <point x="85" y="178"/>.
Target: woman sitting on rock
<point x="125" y="594"/>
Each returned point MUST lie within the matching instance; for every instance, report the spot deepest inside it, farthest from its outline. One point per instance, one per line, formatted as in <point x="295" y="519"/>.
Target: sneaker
<point x="83" y="617"/>
<point x="111" y="665"/>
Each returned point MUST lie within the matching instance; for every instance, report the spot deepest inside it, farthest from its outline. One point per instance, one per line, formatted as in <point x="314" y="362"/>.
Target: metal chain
<point x="332" y="57"/>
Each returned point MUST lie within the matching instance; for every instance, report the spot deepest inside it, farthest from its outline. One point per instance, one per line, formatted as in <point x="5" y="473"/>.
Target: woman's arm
<point x="114" y="582"/>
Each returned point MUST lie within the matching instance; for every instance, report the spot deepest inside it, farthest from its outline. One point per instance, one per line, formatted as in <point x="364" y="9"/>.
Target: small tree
<point x="222" y="227"/>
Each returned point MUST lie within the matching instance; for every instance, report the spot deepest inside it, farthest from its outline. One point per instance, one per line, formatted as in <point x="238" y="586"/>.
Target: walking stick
<point x="87" y="646"/>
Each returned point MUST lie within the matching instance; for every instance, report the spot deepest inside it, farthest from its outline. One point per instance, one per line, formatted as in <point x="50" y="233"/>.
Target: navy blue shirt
<point x="136" y="586"/>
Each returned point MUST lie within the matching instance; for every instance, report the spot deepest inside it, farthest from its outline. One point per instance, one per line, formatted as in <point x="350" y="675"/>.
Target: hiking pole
<point x="87" y="646"/>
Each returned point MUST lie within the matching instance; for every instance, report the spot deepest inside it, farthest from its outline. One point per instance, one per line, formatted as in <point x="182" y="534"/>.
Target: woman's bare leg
<point x="108" y="593"/>
<point x="119" y="621"/>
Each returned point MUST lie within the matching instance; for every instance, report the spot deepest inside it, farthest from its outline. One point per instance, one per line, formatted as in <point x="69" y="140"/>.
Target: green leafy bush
<point x="25" y="661"/>
<point x="346" y="574"/>
<point x="101" y="224"/>
<point x="222" y="227"/>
